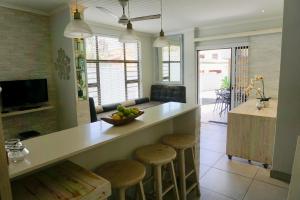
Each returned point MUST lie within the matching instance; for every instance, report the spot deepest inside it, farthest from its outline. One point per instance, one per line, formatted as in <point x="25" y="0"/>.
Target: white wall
<point x="147" y="60"/>
<point x="190" y="69"/>
<point x="66" y="89"/>
<point x="288" y="117"/>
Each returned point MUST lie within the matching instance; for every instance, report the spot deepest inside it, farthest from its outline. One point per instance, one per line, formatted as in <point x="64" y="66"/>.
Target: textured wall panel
<point x="25" y="53"/>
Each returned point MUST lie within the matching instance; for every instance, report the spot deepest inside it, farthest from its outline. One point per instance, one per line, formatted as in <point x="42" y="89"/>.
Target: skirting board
<point x="280" y="176"/>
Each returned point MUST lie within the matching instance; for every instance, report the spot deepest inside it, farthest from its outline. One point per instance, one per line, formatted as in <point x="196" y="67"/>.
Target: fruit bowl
<point x="123" y="121"/>
<point x="123" y="116"/>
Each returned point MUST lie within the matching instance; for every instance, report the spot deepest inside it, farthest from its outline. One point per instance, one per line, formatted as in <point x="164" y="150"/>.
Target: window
<point x="171" y="63"/>
<point x="112" y="70"/>
<point x="170" y="70"/>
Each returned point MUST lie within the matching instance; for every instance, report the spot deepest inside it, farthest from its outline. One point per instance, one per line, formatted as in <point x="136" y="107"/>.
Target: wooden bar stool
<point x="158" y="155"/>
<point x="183" y="142"/>
<point x="123" y="174"/>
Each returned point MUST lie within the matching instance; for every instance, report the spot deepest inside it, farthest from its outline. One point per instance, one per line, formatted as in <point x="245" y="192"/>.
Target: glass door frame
<point x="198" y="68"/>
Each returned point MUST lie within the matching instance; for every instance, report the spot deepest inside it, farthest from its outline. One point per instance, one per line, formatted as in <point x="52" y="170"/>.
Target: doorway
<point x="214" y="77"/>
<point x="222" y="79"/>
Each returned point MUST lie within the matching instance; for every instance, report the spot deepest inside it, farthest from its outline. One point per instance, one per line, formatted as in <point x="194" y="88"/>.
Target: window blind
<point x="113" y="70"/>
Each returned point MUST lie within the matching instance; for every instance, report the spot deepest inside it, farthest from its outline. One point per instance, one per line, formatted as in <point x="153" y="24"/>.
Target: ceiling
<point x="178" y="14"/>
<point x="39" y="5"/>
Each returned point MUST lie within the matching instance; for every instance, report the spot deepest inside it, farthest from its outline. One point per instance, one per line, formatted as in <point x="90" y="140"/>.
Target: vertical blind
<point x="240" y="75"/>
<point x="112" y="70"/>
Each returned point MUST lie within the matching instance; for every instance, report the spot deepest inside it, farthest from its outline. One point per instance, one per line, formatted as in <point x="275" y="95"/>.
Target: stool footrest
<point x="151" y="178"/>
<point x="168" y="190"/>
<point x="193" y="186"/>
<point x="190" y="173"/>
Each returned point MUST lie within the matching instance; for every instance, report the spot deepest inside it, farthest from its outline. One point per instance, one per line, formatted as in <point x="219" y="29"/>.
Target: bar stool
<point x="123" y="174"/>
<point x="158" y="155"/>
<point x="183" y="142"/>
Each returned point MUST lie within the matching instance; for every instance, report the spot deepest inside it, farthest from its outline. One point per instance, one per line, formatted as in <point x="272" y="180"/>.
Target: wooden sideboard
<point x="251" y="132"/>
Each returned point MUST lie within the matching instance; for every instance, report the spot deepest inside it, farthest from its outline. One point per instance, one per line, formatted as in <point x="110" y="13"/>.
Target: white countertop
<point x="249" y="108"/>
<point x="54" y="147"/>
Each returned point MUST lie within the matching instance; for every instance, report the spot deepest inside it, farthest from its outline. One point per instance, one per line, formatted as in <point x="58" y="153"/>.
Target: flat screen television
<point x="23" y="93"/>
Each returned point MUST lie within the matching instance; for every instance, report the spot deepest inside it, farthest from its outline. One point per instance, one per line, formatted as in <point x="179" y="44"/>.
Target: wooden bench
<point x="63" y="181"/>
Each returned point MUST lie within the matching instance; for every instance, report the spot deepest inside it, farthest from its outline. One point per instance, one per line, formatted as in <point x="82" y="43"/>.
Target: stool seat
<point x="180" y="141"/>
<point x="122" y="173"/>
<point x="156" y="154"/>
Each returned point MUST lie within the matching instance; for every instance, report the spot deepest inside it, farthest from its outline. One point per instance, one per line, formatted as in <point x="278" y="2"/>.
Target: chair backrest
<point x="166" y="93"/>
<point x="92" y="110"/>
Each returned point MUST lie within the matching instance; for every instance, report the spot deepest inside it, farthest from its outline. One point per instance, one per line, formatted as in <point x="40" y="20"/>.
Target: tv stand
<point x="21" y="112"/>
<point x="29" y="107"/>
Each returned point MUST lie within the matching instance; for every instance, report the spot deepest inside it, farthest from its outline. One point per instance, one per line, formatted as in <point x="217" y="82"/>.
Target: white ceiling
<point x="185" y="14"/>
<point x="178" y="14"/>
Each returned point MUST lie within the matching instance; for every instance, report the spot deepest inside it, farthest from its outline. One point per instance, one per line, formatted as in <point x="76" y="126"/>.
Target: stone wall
<point x="264" y="59"/>
<point x="25" y="53"/>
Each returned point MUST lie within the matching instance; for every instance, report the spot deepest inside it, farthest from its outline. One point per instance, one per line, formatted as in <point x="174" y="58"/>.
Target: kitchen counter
<point x="249" y="108"/>
<point x="93" y="144"/>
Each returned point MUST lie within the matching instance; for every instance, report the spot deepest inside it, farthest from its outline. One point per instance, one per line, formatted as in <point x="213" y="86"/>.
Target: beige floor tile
<point x="237" y="167"/>
<point x="209" y="158"/>
<point x="264" y="176"/>
<point x="213" y="145"/>
<point x="209" y="195"/>
<point x="263" y="191"/>
<point x="230" y="185"/>
<point x="213" y="135"/>
<point x="203" y="170"/>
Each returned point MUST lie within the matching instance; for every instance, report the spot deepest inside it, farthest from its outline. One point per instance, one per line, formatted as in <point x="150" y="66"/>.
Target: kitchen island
<point x="93" y="144"/>
<point x="251" y="132"/>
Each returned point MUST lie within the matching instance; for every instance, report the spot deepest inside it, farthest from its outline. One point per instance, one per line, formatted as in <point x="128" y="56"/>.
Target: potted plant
<point x="81" y="88"/>
<point x="263" y="101"/>
<point x="225" y="83"/>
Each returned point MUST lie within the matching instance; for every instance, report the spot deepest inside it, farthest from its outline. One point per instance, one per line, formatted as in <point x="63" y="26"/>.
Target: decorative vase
<point x="265" y="101"/>
<point x="80" y="93"/>
<point x="259" y="105"/>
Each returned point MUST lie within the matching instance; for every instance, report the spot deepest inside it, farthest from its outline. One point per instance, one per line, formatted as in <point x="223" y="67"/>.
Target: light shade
<point x="161" y="41"/>
<point x="129" y="35"/>
<point x="77" y="28"/>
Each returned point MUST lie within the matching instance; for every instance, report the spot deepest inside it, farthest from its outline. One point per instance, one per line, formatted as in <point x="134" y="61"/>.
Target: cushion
<point x="99" y="109"/>
<point x="110" y="107"/>
<point x="142" y="100"/>
<point x="128" y="103"/>
<point x="166" y="93"/>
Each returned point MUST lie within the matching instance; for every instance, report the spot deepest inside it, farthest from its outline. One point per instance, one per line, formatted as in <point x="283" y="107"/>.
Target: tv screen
<point x="23" y="92"/>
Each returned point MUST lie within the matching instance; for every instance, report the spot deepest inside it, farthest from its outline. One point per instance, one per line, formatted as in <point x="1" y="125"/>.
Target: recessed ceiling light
<point x="263" y="11"/>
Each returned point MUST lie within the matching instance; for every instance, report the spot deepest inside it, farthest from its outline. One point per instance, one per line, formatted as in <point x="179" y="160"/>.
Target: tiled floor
<point x="222" y="179"/>
<point x="211" y="113"/>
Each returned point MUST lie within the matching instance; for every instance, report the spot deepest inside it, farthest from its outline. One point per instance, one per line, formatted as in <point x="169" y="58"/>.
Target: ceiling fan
<point x="124" y="19"/>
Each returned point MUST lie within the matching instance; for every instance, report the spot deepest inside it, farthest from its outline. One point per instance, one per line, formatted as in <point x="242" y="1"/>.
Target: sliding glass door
<point x="222" y="78"/>
<point x="214" y="71"/>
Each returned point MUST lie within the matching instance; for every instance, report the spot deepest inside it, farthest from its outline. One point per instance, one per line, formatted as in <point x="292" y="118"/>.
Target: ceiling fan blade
<point x="145" y="18"/>
<point x="107" y="12"/>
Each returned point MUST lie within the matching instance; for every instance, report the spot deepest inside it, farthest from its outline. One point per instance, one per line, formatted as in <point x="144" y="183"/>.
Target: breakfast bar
<point x="91" y="145"/>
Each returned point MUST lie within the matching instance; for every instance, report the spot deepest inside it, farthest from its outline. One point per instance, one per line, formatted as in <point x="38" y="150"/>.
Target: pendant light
<point x="129" y="35"/>
<point x="161" y="41"/>
<point x="77" y="28"/>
